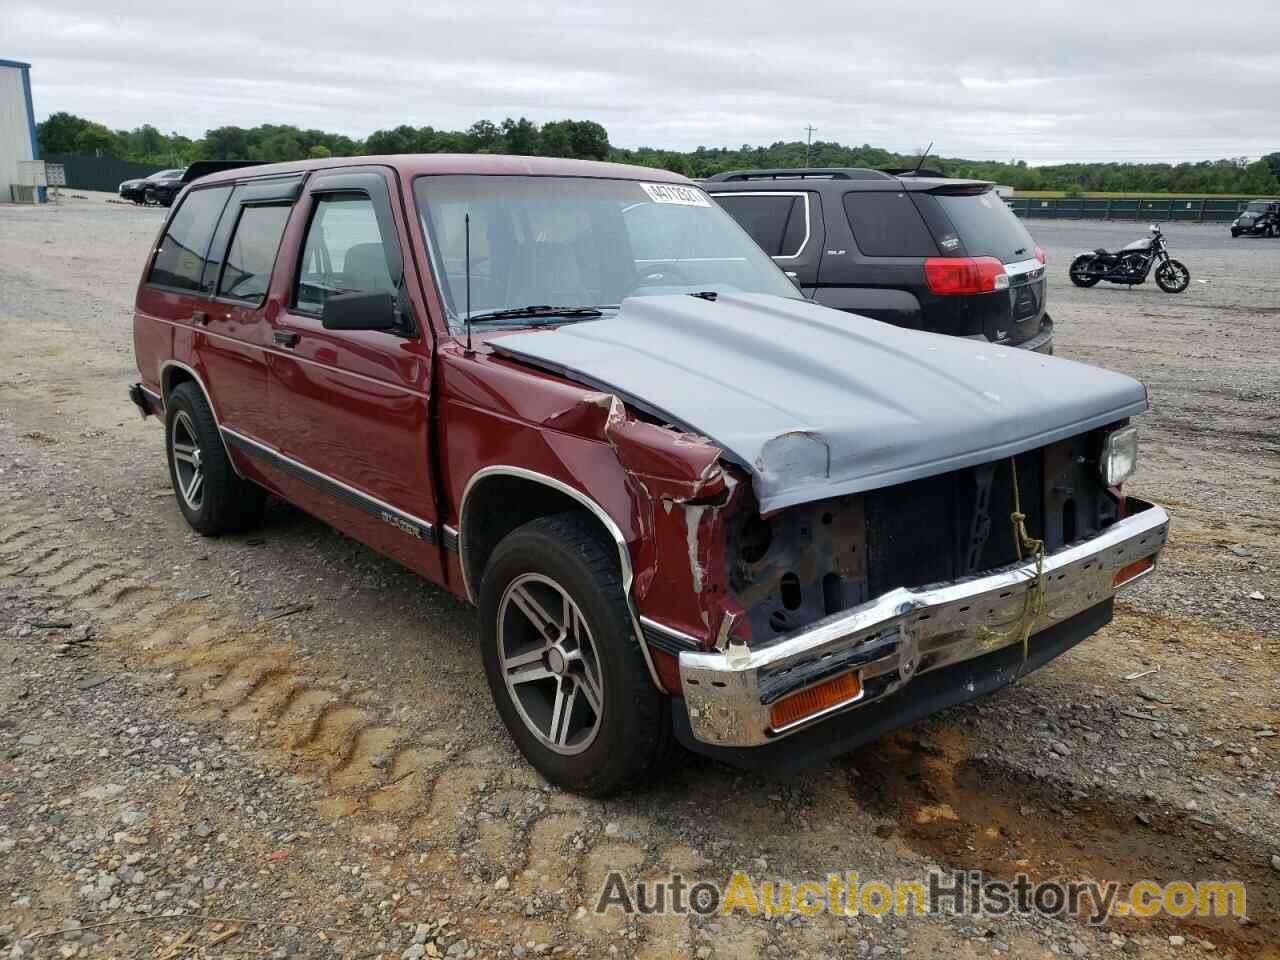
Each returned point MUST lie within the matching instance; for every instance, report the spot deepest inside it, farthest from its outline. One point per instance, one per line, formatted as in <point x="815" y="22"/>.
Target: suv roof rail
<point x="913" y="172"/>
<point x="801" y="173"/>
<point x="202" y="168"/>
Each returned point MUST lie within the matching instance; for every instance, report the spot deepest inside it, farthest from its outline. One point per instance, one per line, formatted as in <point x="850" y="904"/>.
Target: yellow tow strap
<point x="1033" y="600"/>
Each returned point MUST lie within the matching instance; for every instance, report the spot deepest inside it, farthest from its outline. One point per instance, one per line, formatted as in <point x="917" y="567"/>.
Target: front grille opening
<point x="790" y="590"/>
<point x="832" y="595"/>
<point x="1069" y="521"/>
<point x="757" y="535"/>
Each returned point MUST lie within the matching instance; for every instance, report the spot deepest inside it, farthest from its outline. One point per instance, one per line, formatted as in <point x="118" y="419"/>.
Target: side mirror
<point x="363" y="310"/>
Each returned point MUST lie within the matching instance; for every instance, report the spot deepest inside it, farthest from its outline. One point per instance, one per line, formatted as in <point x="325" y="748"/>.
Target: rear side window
<point x="184" y="248"/>
<point x="888" y="225"/>
<point x="343" y="252"/>
<point x="252" y="252"/>
<point x="986" y="226"/>
<point x="779" y="223"/>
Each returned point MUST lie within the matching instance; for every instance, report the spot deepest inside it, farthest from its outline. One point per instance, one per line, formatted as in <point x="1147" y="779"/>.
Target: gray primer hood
<point x="817" y="403"/>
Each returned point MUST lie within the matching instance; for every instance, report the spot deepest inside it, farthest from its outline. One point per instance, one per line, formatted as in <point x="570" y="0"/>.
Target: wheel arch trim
<point x="165" y="391"/>
<point x="611" y="527"/>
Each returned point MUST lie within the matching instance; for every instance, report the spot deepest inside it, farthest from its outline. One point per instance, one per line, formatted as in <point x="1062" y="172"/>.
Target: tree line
<point x="65" y="133"/>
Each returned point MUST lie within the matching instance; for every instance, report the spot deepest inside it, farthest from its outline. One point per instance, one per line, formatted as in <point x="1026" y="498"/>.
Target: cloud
<point x="1169" y="80"/>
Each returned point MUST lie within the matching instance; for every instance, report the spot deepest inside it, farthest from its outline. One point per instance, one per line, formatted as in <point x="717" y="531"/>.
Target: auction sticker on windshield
<point x="674" y="193"/>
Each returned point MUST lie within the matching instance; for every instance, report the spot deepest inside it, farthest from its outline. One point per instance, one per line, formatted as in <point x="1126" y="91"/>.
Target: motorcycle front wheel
<point x="1079" y="272"/>
<point x="1172" y="276"/>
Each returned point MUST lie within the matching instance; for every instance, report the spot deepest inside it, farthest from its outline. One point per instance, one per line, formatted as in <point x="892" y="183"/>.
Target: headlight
<point x="1119" y="456"/>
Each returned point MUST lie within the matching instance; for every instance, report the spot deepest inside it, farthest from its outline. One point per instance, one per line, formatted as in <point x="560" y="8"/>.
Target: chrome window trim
<point x="802" y="194"/>
<point x="624" y="555"/>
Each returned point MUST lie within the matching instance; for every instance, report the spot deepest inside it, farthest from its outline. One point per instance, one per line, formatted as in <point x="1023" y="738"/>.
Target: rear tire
<point x="1078" y="274"/>
<point x="213" y="498"/>
<point x="1172" y="276"/>
<point x="565" y="670"/>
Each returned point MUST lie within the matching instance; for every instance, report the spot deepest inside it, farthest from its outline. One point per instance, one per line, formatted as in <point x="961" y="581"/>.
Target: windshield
<point x="165" y="175"/>
<point x="579" y="242"/>
<point x="1255" y="207"/>
<point x="987" y="227"/>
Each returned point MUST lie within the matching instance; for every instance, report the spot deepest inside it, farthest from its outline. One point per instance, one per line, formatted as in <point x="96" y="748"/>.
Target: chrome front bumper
<point x="889" y="640"/>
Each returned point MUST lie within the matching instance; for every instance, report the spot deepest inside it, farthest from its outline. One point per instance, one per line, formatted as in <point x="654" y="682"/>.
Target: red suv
<point x="690" y="505"/>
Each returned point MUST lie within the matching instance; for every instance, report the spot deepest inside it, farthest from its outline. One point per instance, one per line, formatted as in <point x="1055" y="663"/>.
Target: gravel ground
<point x="282" y="744"/>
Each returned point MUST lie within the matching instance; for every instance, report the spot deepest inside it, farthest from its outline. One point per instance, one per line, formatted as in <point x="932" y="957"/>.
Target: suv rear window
<point x="986" y="226"/>
<point x="778" y="222"/>
<point x="888" y="225"/>
<point x="184" y="248"/>
<point x="252" y="252"/>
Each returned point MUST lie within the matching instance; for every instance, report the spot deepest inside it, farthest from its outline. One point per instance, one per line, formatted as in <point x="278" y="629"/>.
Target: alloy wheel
<point x="188" y="465"/>
<point x="549" y="663"/>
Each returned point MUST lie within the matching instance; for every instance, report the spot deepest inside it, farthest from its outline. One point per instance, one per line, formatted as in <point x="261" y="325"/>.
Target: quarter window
<point x="887" y="224"/>
<point x="343" y="253"/>
<point x="779" y="223"/>
<point x="252" y="252"/>
<point x="184" y="248"/>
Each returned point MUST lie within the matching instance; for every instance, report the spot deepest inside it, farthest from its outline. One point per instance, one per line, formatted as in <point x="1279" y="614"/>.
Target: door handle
<point x="200" y="316"/>
<point x="286" y="338"/>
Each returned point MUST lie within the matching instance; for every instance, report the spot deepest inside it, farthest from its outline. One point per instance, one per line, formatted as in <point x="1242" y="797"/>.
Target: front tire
<point x="1172" y="276"/>
<point x="1079" y="272"/>
<point x="565" y="670"/>
<point x="212" y="497"/>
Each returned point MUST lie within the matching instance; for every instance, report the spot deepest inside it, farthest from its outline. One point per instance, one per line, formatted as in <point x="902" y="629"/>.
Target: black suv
<point x="925" y="252"/>
<point x="1259" y="218"/>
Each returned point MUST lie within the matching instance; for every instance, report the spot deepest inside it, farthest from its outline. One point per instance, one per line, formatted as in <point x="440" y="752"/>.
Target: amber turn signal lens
<point x="814" y="700"/>
<point x="1132" y="571"/>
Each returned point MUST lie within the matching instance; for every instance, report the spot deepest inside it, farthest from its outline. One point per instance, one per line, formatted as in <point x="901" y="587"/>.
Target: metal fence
<point x="1191" y="209"/>
<point x="100" y="173"/>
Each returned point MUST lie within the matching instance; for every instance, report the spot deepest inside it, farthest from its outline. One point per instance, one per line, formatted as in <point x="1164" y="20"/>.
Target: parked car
<point x="164" y="190"/>
<point x="136" y="190"/>
<point x="1259" y="218"/>
<point x="924" y="252"/>
<point x="691" y="505"/>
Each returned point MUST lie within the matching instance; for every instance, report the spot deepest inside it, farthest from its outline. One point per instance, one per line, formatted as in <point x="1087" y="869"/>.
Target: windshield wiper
<point x="534" y="310"/>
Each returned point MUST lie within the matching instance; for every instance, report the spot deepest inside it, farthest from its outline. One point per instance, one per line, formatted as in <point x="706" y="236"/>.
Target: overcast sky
<point x="1044" y="82"/>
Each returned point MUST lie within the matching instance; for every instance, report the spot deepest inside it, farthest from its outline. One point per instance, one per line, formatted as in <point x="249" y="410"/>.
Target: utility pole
<point x="808" y="144"/>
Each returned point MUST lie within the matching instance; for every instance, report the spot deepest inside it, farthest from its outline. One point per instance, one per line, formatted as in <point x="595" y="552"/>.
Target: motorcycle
<point x="1131" y="264"/>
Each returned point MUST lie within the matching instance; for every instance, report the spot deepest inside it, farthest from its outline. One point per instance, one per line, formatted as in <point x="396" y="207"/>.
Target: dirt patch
<point x="977" y="813"/>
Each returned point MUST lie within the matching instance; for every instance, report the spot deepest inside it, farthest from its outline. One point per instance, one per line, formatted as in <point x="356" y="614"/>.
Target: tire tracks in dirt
<point x="387" y="780"/>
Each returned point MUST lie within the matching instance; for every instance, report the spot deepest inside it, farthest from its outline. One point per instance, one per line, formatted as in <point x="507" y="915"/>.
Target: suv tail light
<point x="1040" y="255"/>
<point x="959" y="275"/>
